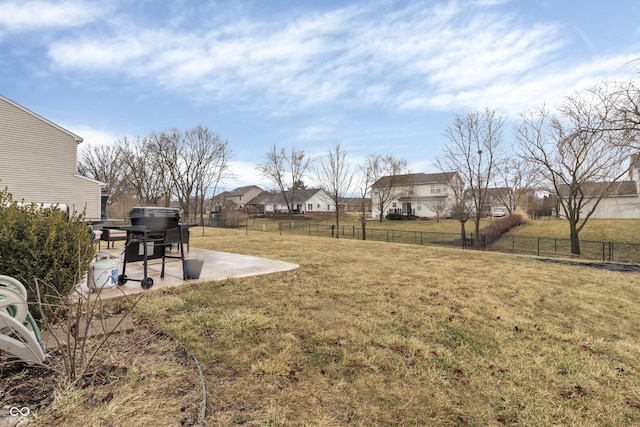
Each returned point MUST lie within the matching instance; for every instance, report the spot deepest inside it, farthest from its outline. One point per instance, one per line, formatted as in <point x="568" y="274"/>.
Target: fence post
<point x="538" y="246"/>
<point x="246" y="226"/>
<point x="280" y="227"/>
<point x="602" y="251"/>
<point x="610" y="251"/>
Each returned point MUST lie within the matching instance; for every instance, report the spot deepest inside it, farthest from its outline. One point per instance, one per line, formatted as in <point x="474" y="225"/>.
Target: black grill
<point x="147" y="239"/>
<point x="155" y="220"/>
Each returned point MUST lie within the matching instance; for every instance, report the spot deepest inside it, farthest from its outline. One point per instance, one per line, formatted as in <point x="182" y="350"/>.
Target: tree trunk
<point x="463" y="234"/>
<point x="575" y="241"/>
<point x="364" y="228"/>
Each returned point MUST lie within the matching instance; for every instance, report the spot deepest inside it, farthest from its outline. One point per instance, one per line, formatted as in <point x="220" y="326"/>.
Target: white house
<point x="304" y="201"/>
<point x="424" y="195"/>
<point x="621" y="200"/>
<point x="38" y="162"/>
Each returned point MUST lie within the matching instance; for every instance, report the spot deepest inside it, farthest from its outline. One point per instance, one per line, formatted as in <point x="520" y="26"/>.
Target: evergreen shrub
<point x="45" y="246"/>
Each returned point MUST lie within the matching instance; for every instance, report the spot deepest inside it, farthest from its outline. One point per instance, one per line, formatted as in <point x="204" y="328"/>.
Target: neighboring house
<point x="305" y="201"/>
<point x="38" y="162"/>
<point x="258" y="203"/>
<point x="424" y="195"/>
<point x="621" y="200"/>
<point x="238" y="198"/>
<point x="498" y="199"/>
<point x="354" y="204"/>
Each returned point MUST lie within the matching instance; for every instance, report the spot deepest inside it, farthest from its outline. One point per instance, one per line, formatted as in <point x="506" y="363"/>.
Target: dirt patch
<point x="139" y="377"/>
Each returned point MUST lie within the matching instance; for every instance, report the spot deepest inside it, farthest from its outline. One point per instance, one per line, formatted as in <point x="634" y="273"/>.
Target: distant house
<point x="304" y="201"/>
<point x="236" y="199"/>
<point x="257" y="204"/>
<point x="423" y="195"/>
<point x="38" y="162"/>
<point x="354" y="204"/>
<point x="498" y="199"/>
<point x="621" y="200"/>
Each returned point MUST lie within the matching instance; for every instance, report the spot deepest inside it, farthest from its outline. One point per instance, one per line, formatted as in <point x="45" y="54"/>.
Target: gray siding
<point x="38" y="162"/>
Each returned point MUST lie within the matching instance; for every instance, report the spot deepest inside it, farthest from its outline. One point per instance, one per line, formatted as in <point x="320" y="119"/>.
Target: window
<point x="310" y="207"/>
<point x="394" y="205"/>
<point x="436" y="189"/>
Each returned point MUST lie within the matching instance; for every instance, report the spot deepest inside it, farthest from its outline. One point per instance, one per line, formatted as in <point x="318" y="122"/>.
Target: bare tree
<point x="286" y="170"/>
<point x="473" y="150"/>
<point x="439" y="206"/>
<point x="211" y="156"/>
<point x="103" y="163"/>
<point x="386" y="175"/>
<point x="578" y="153"/>
<point x="518" y="179"/>
<point x="364" y="185"/>
<point x="141" y="169"/>
<point x="195" y="160"/>
<point x="335" y="177"/>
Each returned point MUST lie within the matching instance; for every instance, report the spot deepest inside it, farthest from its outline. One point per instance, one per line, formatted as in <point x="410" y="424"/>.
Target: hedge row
<point x="498" y="227"/>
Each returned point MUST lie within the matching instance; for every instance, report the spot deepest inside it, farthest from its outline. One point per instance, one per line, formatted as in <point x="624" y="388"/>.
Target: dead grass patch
<point x="368" y="333"/>
<point x="146" y="379"/>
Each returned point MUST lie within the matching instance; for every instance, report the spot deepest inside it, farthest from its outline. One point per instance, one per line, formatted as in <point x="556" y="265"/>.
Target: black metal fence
<point x="517" y="244"/>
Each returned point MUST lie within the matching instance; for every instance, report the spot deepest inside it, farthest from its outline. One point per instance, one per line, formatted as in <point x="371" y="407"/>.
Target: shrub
<point x="44" y="245"/>
<point x="394" y="216"/>
<point x="497" y="228"/>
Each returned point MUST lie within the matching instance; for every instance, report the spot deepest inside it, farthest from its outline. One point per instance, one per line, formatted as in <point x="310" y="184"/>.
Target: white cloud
<point x="29" y="15"/>
<point x="92" y="136"/>
<point x="244" y="174"/>
<point x="444" y="56"/>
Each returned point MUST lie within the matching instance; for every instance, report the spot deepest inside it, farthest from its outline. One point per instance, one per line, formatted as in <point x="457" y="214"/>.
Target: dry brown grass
<point x="145" y="379"/>
<point x="368" y="333"/>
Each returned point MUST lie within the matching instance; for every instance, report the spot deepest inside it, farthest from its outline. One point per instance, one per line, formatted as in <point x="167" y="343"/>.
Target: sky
<point x="377" y="76"/>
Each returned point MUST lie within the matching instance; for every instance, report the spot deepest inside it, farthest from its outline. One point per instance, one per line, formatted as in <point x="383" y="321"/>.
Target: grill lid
<point x="155" y="218"/>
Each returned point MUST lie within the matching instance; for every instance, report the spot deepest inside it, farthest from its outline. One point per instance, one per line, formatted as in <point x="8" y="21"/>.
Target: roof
<point x="299" y="196"/>
<point x="608" y="189"/>
<point x="261" y="198"/>
<point x="241" y="191"/>
<point x="354" y="201"/>
<point x="75" y="137"/>
<point x="416" y="179"/>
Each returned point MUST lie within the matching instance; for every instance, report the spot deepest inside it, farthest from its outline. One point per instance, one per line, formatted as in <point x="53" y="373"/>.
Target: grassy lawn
<point x="371" y="333"/>
<point x="607" y="230"/>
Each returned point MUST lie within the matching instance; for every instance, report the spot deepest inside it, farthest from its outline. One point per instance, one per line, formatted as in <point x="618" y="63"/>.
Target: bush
<point x="394" y="216"/>
<point x="497" y="228"/>
<point x="44" y="246"/>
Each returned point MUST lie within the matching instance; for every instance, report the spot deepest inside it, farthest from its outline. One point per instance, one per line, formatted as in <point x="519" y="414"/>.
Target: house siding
<point x="39" y="162"/>
<point x="414" y="191"/>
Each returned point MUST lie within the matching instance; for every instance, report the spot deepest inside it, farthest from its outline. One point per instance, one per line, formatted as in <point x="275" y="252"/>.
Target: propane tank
<point x="103" y="273"/>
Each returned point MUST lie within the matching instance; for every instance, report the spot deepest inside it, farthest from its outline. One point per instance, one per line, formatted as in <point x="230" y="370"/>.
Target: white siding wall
<point x="38" y="163"/>
<point x="627" y="207"/>
<point x="421" y="199"/>
<point x="325" y="202"/>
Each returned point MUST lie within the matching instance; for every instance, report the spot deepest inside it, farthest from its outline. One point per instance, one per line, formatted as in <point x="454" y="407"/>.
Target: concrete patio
<point x="217" y="266"/>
